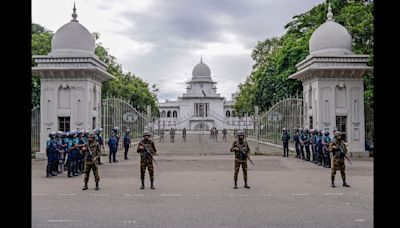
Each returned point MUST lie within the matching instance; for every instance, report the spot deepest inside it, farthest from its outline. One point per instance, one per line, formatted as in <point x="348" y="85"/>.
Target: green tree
<point x="276" y="58"/>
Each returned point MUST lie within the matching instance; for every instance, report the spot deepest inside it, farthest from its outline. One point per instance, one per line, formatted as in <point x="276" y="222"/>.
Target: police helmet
<point x="240" y="132"/>
<point x="100" y="129"/>
<point x="127" y="129"/>
<point x="326" y="133"/>
<point x="52" y="134"/>
<point x="335" y="129"/>
<point x="284" y="129"/>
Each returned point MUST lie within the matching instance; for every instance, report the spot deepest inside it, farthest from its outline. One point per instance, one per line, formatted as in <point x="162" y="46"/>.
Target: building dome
<point x="72" y="39"/>
<point x="201" y="70"/>
<point x="331" y="38"/>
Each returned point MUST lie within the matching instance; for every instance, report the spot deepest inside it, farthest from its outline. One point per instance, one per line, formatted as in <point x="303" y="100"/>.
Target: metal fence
<point x="35" y="130"/>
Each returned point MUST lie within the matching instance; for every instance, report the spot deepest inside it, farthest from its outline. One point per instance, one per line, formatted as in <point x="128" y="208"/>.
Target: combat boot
<point x="235" y="187"/>
<point x="85" y="187"/>
<point x="142" y="184"/>
<point x="152" y="186"/>
<point x="344" y="182"/>
<point x="97" y="186"/>
<point x="333" y="182"/>
<point x="245" y="184"/>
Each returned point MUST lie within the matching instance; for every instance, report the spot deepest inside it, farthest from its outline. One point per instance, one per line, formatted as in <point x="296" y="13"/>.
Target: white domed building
<point x="201" y="107"/>
<point x="71" y="76"/>
<point x="333" y="89"/>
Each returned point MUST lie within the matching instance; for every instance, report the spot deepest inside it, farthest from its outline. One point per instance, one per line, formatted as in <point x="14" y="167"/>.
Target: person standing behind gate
<point x="242" y="150"/>
<point x="285" y="141"/>
<point x="145" y="146"/>
<point x="127" y="143"/>
<point x="184" y="135"/>
<point x="113" y="145"/>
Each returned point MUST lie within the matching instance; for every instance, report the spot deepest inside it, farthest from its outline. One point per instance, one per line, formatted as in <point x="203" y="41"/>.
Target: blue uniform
<point x="326" y="140"/>
<point x="127" y="143"/>
<point x="318" y="148"/>
<point x="51" y="152"/>
<point x="113" y="145"/>
<point x="296" y="139"/>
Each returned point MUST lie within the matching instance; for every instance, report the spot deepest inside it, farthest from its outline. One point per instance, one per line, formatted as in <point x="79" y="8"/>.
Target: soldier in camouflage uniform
<point x="146" y="159"/>
<point x="91" y="151"/>
<point x="337" y="148"/>
<point x="240" y="145"/>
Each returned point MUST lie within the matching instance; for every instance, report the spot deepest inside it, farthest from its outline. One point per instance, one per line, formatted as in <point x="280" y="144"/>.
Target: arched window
<point x="163" y="114"/>
<point x="228" y="113"/>
<point x="175" y="114"/>
<point x="169" y="114"/>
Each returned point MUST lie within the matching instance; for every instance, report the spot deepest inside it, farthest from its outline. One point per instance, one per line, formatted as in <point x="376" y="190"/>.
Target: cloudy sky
<point x="162" y="40"/>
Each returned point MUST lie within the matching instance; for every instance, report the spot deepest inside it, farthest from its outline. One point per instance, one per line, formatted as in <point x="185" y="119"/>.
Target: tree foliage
<point x="125" y="85"/>
<point x="276" y="58"/>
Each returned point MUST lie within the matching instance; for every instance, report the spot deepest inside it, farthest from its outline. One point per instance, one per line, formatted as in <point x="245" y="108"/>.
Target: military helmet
<point x="240" y="132"/>
<point x="91" y="135"/>
<point x="146" y="133"/>
<point x="337" y="133"/>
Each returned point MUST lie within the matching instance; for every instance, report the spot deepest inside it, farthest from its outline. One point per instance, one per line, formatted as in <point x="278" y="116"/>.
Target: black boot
<point x="235" y="187"/>
<point x="152" y="186"/>
<point x="333" y="181"/>
<point x="344" y="182"/>
<point x="245" y="184"/>
<point x="85" y="187"/>
<point x="97" y="186"/>
<point x="142" y="184"/>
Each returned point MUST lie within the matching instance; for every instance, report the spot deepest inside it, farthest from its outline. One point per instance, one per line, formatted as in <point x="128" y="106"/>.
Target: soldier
<point x="91" y="151"/>
<point x="172" y="135"/>
<point x="242" y="150"/>
<point x="51" y="146"/>
<point x="224" y="132"/>
<point x="127" y="143"/>
<point x="296" y="142"/>
<point x="113" y="146"/>
<point x="162" y="135"/>
<point x="146" y="146"/>
<point x="184" y="135"/>
<point x="339" y="151"/>
<point x="326" y="140"/>
<point x="285" y="141"/>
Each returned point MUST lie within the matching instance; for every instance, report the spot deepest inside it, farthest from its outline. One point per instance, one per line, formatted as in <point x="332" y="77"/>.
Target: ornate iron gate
<point x="116" y="112"/>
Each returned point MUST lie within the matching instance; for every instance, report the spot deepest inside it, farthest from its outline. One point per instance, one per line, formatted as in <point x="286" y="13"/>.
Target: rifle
<point x="345" y="155"/>
<point x="147" y="152"/>
<point x="247" y="156"/>
<point x="91" y="153"/>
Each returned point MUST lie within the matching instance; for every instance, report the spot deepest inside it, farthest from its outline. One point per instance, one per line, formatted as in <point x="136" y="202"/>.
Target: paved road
<point x="194" y="189"/>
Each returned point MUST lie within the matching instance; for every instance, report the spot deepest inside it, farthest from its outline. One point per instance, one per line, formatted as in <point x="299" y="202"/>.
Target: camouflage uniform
<point x="338" y="159"/>
<point x="240" y="160"/>
<point x="145" y="160"/>
<point x="89" y="163"/>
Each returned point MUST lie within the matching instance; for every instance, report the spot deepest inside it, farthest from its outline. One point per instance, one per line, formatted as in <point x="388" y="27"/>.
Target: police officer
<point x="338" y="150"/>
<point x="81" y="142"/>
<point x="146" y="146"/>
<point x="296" y="142"/>
<point x="326" y="140"/>
<point x="73" y="154"/>
<point x="303" y="139"/>
<point x="224" y="132"/>
<point x="313" y="143"/>
<point x="318" y="148"/>
<point x="242" y="150"/>
<point x="307" y="144"/>
<point x="285" y="141"/>
<point x="113" y="145"/>
<point x="184" y="134"/>
<point x="99" y="140"/>
<point x="51" y="146"/>
<point x="127" y="143"/>
<point x="91" y="151"/>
